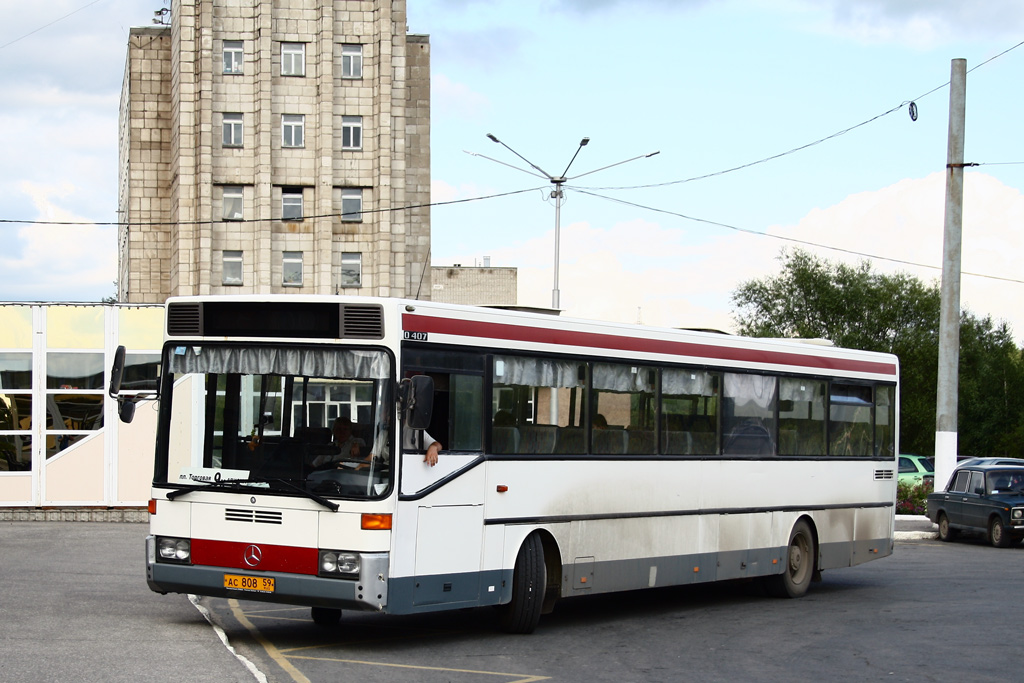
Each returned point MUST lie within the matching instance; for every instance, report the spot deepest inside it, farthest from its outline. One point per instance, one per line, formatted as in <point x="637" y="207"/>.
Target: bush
<point x="911" y="500"/>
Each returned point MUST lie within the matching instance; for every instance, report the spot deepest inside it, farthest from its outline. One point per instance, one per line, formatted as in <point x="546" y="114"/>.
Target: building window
<point x="351" y="269"/>
<point x="292" y="130"/>
<point x="291" y="204"/>
<point x="15" y="410"/>
<point x="74" y="398"/>
<point x="351" y="204"/>
<point x="233" y="56"/>
<point x="291" y="269"/>
<point x="232" y="268"/>
<point x="232" y="130"/>
<point x="233" y="200"/>
<point x="351" y="132"/>
<point x="293" y="59"/>
<point x="351" y="61"/>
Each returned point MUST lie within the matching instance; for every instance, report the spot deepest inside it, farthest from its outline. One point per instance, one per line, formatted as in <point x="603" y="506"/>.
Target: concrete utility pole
<point x="949" y="321"/>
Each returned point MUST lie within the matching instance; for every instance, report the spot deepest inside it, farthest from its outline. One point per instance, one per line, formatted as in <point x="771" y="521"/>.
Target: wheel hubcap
<point x="797" y="555"/>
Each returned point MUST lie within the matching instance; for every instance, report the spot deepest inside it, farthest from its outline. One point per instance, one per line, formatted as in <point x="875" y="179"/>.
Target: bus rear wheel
<point x="529" y="581"/>
<point x="326" y="616"/>
<point x="798" y="571"/>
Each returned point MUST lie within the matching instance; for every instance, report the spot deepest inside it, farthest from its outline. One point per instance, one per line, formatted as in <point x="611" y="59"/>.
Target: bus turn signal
<point x="376" y="522"/>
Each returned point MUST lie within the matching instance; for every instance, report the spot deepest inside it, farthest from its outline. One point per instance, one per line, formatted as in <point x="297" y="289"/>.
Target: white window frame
<point x="354" y="261"/>
<point x="293" y="130"/>
<point x="234" y="56"/>
<point x="292" y="258"/>
<point x="293" y="199"/>
<point x="353" y="197"/>
<point x="351" y="132"/>
<point x="293" y="59"/>
<point x="233" y="129"/>
<point x="351" y="61"/>
<point x="232" y="268"/>
<point x="232" y="197"/>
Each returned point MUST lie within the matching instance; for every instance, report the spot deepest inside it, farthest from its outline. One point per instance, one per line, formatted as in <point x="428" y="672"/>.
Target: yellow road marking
<point x="528" y="679"/>
<point x="267" y="646"/>
<point x="281" y="658"/>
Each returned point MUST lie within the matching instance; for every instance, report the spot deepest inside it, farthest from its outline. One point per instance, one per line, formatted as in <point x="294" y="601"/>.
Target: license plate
<point x="259" y="584"/>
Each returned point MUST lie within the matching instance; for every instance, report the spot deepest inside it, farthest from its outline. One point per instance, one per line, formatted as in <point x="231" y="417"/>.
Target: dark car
<point x="969" y="462"/>
<point x="987" y="498"/>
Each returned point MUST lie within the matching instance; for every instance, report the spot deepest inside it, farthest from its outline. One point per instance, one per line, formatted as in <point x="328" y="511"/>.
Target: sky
<point x="663" y="240"/>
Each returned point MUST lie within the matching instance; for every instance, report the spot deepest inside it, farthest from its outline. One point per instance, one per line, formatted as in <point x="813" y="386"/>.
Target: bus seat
<point x="315" y="436"/>
<point x="640" y="442"/>
<point x="610" y="441"/>
<point x="678" y="443"/>
<point x="537" y="439"/>
<point x="569" y="441"/>
<point x="505" y="440"/>
<point x="749" y="438"/>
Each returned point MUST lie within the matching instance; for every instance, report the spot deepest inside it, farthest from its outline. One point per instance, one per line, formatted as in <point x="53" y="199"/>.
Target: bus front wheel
<point x="798" y="569"/>
<point x="326" y="616"/>
<point x="529" y="581"/>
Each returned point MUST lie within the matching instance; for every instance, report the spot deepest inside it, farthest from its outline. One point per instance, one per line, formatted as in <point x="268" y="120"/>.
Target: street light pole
<point x="557" y="194"/>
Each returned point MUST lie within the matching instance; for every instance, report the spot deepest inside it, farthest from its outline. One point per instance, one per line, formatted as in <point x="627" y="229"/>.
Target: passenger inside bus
<point x="347" y="446"/>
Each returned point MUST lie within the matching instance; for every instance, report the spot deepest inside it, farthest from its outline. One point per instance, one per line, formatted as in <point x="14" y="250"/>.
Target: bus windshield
<point x="288" y="420"/>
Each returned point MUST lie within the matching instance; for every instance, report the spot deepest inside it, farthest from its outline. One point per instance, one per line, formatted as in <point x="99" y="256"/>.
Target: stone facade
<point x="475" y="286"/>
<point x="243" y="112"/>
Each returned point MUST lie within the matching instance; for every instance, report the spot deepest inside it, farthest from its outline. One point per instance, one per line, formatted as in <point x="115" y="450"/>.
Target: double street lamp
<point x="556" y="193"/>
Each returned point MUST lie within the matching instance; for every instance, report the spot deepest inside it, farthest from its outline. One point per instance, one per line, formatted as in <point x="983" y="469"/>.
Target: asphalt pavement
<point x="76" y="607"/>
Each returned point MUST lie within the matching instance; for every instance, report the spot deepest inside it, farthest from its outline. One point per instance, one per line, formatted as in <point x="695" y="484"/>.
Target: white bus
<point x="578" y="457"/>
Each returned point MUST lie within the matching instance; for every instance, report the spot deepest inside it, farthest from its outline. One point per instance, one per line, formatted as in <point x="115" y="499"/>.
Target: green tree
<point x="990" y="382"/>
<point x="858" y="308"/>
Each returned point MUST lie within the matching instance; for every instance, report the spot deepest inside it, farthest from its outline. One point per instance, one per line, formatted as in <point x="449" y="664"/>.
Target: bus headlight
<point x="173" y="549"/>
<point x="339" y="564"/>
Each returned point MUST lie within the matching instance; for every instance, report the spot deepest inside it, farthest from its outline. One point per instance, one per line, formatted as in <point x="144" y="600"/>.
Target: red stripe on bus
<point x="271" y="558"/>
<point x="549" y="335"/>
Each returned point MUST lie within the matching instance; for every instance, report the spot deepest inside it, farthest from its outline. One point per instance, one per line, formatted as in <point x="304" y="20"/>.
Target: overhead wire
<point x="8" y="44"/>
<point x="795" y="240"/>
<point x="801" y="148"/>
<point x="592" y="191"/>
<point x="139" y="224"/>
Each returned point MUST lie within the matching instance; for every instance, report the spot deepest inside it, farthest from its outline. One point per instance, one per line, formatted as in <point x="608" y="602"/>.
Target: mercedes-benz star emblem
<point x="252" y="555"/>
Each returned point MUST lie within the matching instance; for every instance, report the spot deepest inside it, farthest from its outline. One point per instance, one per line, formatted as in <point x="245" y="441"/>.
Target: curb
<point x="919" y="534"/>
<point x="76" y="514"/>
<point x="916" y="535"/>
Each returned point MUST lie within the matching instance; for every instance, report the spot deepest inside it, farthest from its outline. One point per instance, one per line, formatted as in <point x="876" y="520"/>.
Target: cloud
<point x="641" y="270"/>
<point x="58" y="262"/>
<point x="488" y="49"/>
<point x="906" y="221"/>
<point x="925" y="23"/>
<point x="456" y="100"/>
<point x="594" y="6"/>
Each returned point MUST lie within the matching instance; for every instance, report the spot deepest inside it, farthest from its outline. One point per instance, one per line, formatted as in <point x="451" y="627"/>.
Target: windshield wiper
<point x="239" y="485"/>
<point x="229" y="485"/>
<point x="333" y="507"/>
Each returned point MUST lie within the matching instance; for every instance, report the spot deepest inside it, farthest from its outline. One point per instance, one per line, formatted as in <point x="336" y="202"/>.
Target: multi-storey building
<point x="275" y="145"/>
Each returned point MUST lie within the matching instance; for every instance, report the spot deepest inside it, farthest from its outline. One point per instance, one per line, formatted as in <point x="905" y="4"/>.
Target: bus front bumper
<point x="367" y="593"/>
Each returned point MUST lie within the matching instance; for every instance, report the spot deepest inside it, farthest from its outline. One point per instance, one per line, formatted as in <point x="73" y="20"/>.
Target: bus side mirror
<point x="126" y="410"/>
<point x="116" y="372"/>
<point x="418" y="401"/>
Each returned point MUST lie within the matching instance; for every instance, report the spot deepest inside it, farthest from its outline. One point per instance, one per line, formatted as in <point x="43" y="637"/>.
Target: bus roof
<point x="323" y="318"/>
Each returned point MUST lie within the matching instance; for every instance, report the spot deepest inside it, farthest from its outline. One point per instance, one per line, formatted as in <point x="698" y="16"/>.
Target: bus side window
<point x="802" y="421"/>
<point x="543" y="400"/>
<point x="457" y="419"/>
<point x="689" y="409"/>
